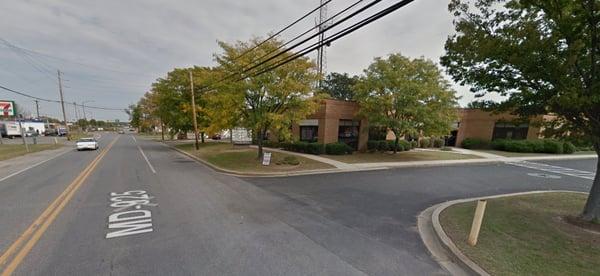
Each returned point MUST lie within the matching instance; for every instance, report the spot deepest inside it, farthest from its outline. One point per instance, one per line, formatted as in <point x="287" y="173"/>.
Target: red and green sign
<point x="7" y="108"/>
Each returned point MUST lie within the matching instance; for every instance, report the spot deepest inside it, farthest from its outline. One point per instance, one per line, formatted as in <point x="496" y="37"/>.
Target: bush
<point x="372" y="146"/>
<point x="438" y="142"/>
<point x="474" y="143"/>
<point x="289" y="160"/>
<point x="536" y="145"/>
<point x="405" y="145"/>
<point x="303" y="147"/>
<point x="425" y="143"/>
<point x="399" y="147"/>
<point x="271" y="144"/>
<point x="446" y="149"/>
<point x="553" y="146"/>
<point x="518" y="146"/>
<point x="383" y="146"/>
<point x="414" y="144"/>
<point x="338" y="149"/>
<point x="569" y="148"/>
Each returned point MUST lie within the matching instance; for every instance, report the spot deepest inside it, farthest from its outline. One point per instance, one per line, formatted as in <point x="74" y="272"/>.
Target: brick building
<point x="476" y="123"/>
<point x="334" y="121"/>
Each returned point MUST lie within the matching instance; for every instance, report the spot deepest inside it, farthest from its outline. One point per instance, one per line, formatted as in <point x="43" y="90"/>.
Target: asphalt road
<point x="198" y="222"/>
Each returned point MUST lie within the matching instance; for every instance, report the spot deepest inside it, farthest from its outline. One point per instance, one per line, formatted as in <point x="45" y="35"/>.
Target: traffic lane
<point x="578" y="164"/>
<point x="384" y="204"/>
<point x="25" y="196"/>
<point x="199" y="226"/>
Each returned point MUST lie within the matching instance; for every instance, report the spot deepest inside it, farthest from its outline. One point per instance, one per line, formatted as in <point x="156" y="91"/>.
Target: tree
<point x="543" y="55"/>
<point x="339" y="86"/>
<point x="407" y="96"/>
<point x="272" y="100"/>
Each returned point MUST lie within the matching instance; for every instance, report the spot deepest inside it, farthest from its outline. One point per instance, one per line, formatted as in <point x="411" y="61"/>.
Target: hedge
<point x="474" y="143"/>
<point x="569" y="148"/>
<point x="425" y="143"/>
<point x="304" y="147"/>
<point x="536" y="146"/>
<point x="338" y="149"/>
<point x="438" y="142"/>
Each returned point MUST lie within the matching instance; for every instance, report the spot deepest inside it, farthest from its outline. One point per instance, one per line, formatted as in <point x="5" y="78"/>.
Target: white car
<point x="87" y="143"/>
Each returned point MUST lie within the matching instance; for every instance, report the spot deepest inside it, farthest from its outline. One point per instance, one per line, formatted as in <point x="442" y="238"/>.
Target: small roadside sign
<point x="266" y="159"/>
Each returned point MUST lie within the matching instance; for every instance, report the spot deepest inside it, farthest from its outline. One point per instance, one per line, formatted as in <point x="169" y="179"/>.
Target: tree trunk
<point x="259" y="142"/>
<point x="202" y="137"/>
<point x="396" y="144"/>
<point x="591" y="211"/>
<point x="162" y="130"/>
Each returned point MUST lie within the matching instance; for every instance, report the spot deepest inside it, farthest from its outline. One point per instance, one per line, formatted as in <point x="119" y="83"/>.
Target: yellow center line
<point x="35" y="231"/>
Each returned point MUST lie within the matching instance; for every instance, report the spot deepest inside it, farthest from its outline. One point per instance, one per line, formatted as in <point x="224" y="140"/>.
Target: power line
<point x="303" y="41"/>
<point x="56" y="101"/>
<point x="282" y="30"/>
<point x="337" y="36"/>
<point x="10" y="45"/>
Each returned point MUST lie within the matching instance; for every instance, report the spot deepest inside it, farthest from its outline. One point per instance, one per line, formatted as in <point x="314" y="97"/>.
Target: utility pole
<point x="194" y="110"/>
<point x="62" y="104"/>
<point x="321" y="52"/>
<point x="37" y="109"/>
<point x="83" y="108"/>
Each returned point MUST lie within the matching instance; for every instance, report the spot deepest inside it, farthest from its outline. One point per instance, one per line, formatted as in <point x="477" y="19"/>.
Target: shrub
<point x="271" y="144"/>
<point x="553" y="146"/>
<point x="569" y="148"/>
<point x="338" y="149"/>
<point x="499" y="144"/>
<point x="425" y="143"/>
<point x="399" y="147"/>
<point x="414" y="144"/>
<point x="438" y="142"/>
<point x="536" y="145"/>
<point x="303" y="147"/>
<point x="446" y="149"/>
<point x="518" y="146"/>
<point x="474" y="143"/>
<point x="383" y="146"/>
<point x="289" y="160"/>
<point x="372" y="145"/>
<point x="405" y="145"/>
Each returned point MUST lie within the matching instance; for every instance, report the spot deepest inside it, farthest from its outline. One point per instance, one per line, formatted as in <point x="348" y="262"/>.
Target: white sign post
<point x="266" y="159"/>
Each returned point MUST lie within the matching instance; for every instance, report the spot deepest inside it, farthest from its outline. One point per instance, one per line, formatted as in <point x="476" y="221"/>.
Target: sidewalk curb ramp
<point x="442" y="248"/>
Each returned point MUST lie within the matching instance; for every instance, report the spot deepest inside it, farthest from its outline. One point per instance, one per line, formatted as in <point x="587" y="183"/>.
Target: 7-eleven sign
<point x="7" y="108"/>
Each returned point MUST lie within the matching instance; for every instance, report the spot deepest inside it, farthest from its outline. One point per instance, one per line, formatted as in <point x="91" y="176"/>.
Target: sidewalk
<point x="486" y="158"/>
<point x="14" y="166"/>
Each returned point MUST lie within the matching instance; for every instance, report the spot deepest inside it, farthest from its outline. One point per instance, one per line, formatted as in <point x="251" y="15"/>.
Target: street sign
<point x="266" y="159"/>
<point x="241" y="136"/>
<point x="7" y="108"/>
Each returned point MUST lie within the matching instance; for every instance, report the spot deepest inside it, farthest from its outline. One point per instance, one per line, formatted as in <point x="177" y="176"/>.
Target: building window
<point x="309" y="133"/>
<point x="348" y="132"/>
<point x="510" y="131"/>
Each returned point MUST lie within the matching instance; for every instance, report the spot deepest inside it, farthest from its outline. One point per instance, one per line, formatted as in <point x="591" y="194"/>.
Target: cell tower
<point x="321" y="53"/>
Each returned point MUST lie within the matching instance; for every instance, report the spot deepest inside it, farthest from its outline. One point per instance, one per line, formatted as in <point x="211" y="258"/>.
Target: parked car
<point x="121" y="131"/>
<point x="216" y="137"/>
<point x="87" y="143"/>
<point x="62" y="131"/>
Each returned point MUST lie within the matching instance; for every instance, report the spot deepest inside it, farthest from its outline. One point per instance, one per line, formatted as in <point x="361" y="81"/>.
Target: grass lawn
<point x="243" y="159"/>
<point x="400" y="156"/>
<point x="526" y="154"/>
<point x="526" y="235"/>
<point x="11" y="151"/>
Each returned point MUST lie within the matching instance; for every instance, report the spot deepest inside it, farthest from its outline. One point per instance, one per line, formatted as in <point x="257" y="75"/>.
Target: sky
<point x="111" y="51"/>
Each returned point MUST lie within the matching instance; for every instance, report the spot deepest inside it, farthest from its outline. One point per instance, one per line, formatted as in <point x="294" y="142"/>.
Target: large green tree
<point x="269" y="101"/>
<point x="407" y="96"/>
<point x="543" y="55"/>
<point x="339" y="86"/>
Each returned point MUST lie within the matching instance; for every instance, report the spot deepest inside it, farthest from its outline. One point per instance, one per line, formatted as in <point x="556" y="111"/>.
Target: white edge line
<point x="146" y="158"/>
<point x="33" y="166"/>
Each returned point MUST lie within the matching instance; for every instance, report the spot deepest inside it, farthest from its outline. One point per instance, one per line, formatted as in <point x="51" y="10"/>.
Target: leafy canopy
<point x="408" y="96"/>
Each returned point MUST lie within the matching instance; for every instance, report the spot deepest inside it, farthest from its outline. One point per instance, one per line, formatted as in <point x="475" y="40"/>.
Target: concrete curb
<point x="246" y="174"/>
<point x="442" y="248"/>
